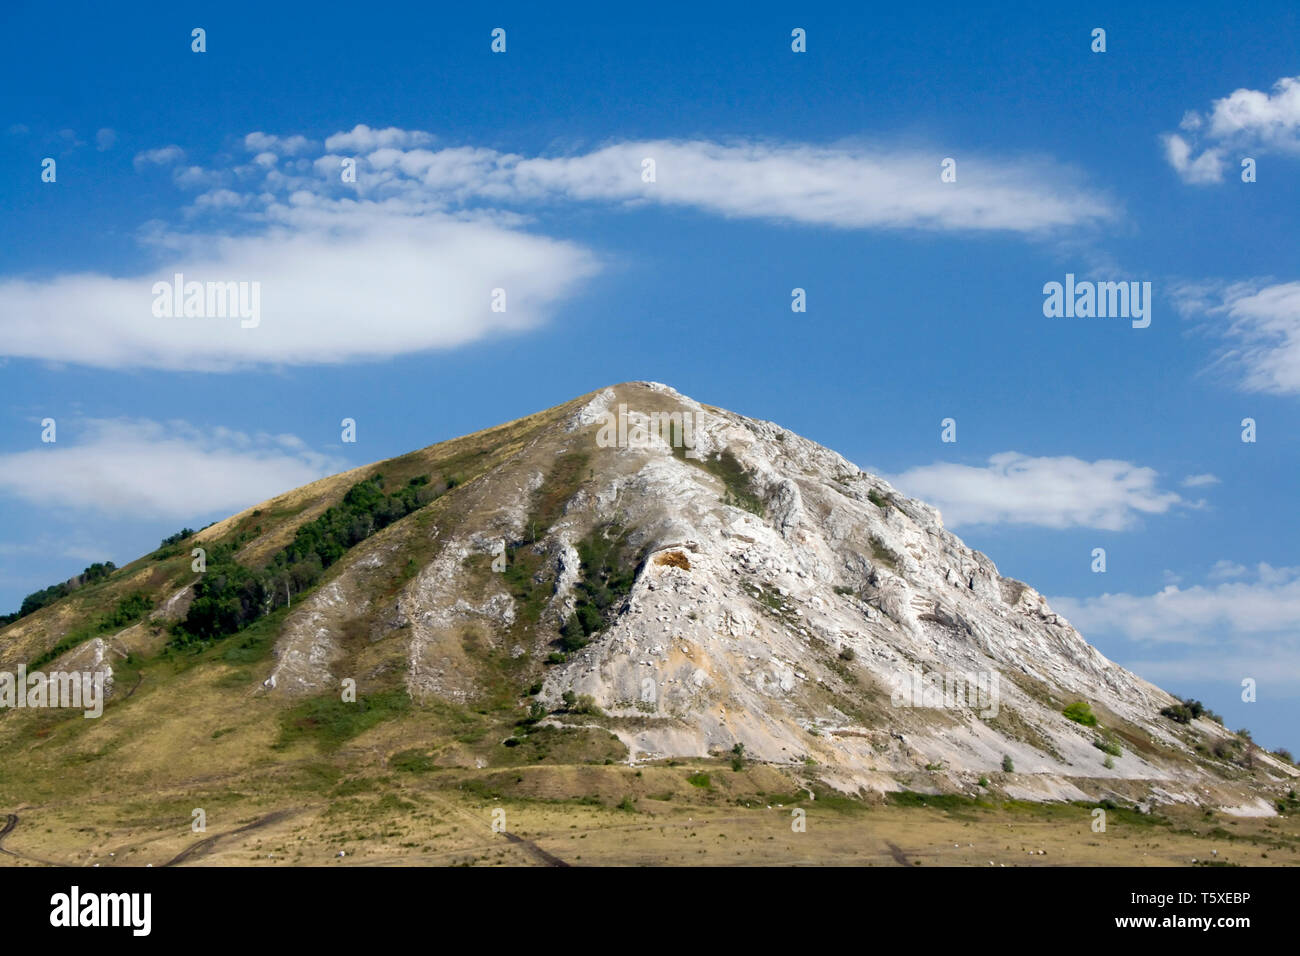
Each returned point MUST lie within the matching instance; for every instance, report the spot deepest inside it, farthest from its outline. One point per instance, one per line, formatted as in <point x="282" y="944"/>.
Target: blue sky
<point x="774" y="170"/>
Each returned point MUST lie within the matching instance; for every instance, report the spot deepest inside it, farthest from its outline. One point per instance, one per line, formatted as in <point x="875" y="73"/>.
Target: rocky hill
<point x="631" y="576"/>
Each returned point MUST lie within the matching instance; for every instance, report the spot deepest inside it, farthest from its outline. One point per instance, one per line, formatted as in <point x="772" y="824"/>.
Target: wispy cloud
<point x="848" y="186"/>
<point x="1061" y="492"/>
<point x="1262" y="332"/>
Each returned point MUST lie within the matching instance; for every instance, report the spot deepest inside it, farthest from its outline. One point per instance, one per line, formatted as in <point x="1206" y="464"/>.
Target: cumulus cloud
<point x="1062" y="492"/>
<point x="1271" y="118"/>
<point x="157" y="470"/>
<point x="1262" y="330"/>
<point x="1202" y="169"/>
<point x="1244" y="120"/>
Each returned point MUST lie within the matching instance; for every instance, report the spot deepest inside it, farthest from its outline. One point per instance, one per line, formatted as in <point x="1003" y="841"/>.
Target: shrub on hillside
<point x="1081" y="713"/>
<point x="47" y="596"/>
<point x="1107" y="743"/>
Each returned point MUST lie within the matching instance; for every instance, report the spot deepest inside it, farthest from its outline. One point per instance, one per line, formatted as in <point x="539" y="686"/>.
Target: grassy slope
<point x="181" y="718"/>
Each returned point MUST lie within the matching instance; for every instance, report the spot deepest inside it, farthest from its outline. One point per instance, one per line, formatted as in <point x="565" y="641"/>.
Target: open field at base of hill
<point x="687" y="814"/>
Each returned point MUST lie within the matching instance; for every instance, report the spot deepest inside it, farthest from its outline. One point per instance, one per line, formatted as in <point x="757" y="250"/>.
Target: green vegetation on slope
<point x="1081" y="713"/>
<point x="524" y="561"/>
<point x="1108" y="743"/>
<point x="329" y="722"/>
<point x="170" y="546"/>
<point x="1189" y="710"/>
<point x="125" y="613"/>
<point x="230" y="595"/>
<point x="46" y="596"/>
<point x="740" y="491"/>
<point x="606" y="578"/>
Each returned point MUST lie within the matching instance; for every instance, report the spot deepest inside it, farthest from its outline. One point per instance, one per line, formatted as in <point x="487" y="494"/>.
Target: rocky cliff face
<point x="780" y="600"/>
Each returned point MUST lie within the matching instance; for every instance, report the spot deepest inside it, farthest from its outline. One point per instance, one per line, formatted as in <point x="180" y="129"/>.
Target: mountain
<point x="631" y="578"/>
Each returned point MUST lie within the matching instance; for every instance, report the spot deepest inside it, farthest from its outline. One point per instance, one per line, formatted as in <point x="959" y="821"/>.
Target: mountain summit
<point x="631" y="577"/>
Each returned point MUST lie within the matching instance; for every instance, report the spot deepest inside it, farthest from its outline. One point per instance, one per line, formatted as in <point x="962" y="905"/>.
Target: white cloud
<point x="105" y="139"/>
<point x="163" y="156"/>
<point x="158" y="470"/>
<point x="221" y="199"/>
<point x="333" y="289"/>
<point x="1205" y="168"/>
<point x="1226" y="569"/>
<point x="281" y="145"/>
<point x="1244" y="120"/>
<point x="196" y="177"/>
<point x="1238" y="628"/>
<point x="1278" y="666"/>
<point x="1267" y="605"/>
<point x="1271" y="118"/>
<point x="1263" y="332"/>
<point x="849" y="187"/>
<point x="406" y="258"/>
<point x="1200" y="481"/>
<point x="363" y="139"/>
<point x="1061" y="492"/>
